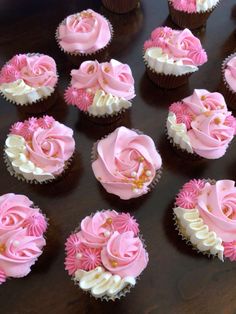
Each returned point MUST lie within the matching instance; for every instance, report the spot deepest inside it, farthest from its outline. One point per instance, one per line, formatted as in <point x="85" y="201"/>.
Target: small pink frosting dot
<point x="125" y="222"/>
<point x="91" y="258"/>
<point x="230" y="250"/>
<point x="36" y="225"/>
<point x="2" y="277"/>
<point x="78" y="97"/>
<point x="186" y="200"/>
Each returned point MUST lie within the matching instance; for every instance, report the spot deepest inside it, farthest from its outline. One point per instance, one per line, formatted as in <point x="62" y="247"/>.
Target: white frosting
<point x="23" y="94"/>
<point x="102" y="283"/>
<point x="199" y="233"/>
<point x="160" y="62"/>
<point x="104" y="103"/>
<point x="178" y="133"/>
<point x="16" y="152"/>
<point x="205" y="5"/>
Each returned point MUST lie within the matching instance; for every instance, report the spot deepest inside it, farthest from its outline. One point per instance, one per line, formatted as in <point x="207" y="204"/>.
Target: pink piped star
<point x="186" y="200"/>
<point x="9" y="74"/>
<point x="78" y="97"/>
<point x="46" y="122"/>
<point x="194" y="186"/>
<point x="91" y="258"/>
<point x="17" y="128"/>
<point x="230" y="250"/>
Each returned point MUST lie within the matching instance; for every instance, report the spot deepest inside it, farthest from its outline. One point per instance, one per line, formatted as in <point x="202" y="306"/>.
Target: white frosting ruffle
<point x="102" y="283"/>
<point x="22" y="94"/>
<point x="161" y="63"/>
<point x="104" y="103"/>
<point x="16" y="152"/>
<point x="178" y="133"/>
<point x="199" y="233"/>
<point x="205" y="5"/>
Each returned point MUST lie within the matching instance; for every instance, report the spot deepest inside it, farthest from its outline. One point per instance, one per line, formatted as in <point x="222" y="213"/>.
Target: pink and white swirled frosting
<point x="194" y="6"/>
<point x="126" y="163"/>
<point x="84" y="33"/>
<point x="106" y="251"/>
<point x="39" y="148"/>
<point x="27" y="78"/>
<point x="202" y="124"/>
<point x="230" y="73"/>
<point x="212" y="208"/>
<point x="22" y="228"/>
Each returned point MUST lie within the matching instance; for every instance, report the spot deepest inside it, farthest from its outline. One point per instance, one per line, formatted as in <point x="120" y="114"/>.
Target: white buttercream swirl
<point x="104" y="103"/>
<point x="193" y="227"/>
<point x="16" y="152"/>
<point x="160" y="62"/>
<point x="178" y="133"/>
<point x="205" y="5"/>
<point x="21" y="93"/>
<point x="102" y="283"/>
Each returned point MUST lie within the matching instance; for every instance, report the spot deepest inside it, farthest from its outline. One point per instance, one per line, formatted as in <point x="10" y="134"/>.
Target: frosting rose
<point x="126" y="163"/>
<point x="39" y="71"/>
<point x="86" y="76"/>
<point x="85" y="32"/>
<point x="50" y="148"/>
<point x="230" y="73"/>
<point x="124" y="255"/>
<point x="210" y="136"/>
<point x="19" y="252"/>
<point x="217" y="207"/>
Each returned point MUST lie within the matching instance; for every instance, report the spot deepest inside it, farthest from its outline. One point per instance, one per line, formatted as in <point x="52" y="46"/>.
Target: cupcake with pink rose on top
<point x="171" y="56"/>
<point x="102" y="91"/>
<point x="22" y="228"/>
<point x="205" y="214"/>
<point x="29" y="81"/>
<point x="39" y="150"/>
<point x="201" y="125"/>
<point x="191" y="13"/>
<point x="106" y="254"/>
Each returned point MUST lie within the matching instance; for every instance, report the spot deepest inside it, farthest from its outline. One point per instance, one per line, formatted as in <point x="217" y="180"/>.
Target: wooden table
<point x="177" y="280"/>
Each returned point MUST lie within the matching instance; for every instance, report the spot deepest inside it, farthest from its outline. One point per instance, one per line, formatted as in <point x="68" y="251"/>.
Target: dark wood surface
<point x="177" y="280"/>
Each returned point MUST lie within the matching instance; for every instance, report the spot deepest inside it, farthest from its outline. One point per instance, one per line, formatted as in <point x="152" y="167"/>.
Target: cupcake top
<point x="106" y="254"/>
<point x="126" y="163"/>
<point x="229" y="72"/>
<point x="22" y="228"/>
<point x="201" y="124"/>
<point x="27" y="78"/>
<point x="194" y="6"/>
<point x="101" y="88"/>
<point x="174" y="52"/>
<point x="85" y="32"/>
<point x="38" y="149"/>
<point x="206" y="210"/>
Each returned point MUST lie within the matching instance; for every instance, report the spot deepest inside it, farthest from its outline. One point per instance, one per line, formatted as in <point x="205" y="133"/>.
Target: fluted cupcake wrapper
<point x="190" y="20"/>
<point x="121" y="6"/>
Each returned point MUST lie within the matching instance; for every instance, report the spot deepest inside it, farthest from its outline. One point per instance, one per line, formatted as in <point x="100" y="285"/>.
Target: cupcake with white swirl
<point x="22" y="228"/>
<point x="29" y="81"/>
<point x="126" y="163"/>
<point x="84" y="34"/>
<point x="39" y="150"/>
<point x="106" y="254"/>
<point x="205" y="214"/>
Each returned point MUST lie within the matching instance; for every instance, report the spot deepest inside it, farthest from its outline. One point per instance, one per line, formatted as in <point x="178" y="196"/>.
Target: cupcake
<point x="171" y="56"/>
<point x="106" y="254"/>
<point x="84" y="35"/>
<point x="39" y="150"/>
<point x="126" y="163"/>
<point x="205" y="214"/>
<point x="29" y="81"/>
<point x="101" y="90"/>
<point x="228" y="81"/>
<point x="120" y="6"/>
<point x="22" y="228"/>
<point x="191" y="13"/>
<point x="201" y="125"/>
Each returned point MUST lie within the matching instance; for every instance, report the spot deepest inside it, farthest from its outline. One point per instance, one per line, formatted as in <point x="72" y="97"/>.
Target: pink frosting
<point x="2" y="277"/>
<point x="188" y="6"/>
<point x="36" y="225"/>
<point x="127" y="163"/>
<point x="230" y="73"/>
<point x="85" y="32"/>
<point x="125" y="222"/>
<point x="112" y="77"/>
<point x="217" y="207"/>
<point x="210" y="136"/>
<point x="230" y="250"/>
<point x="124" y="255"/>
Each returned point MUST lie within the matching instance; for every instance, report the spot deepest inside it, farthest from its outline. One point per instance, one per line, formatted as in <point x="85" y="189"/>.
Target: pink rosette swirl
<point x="217" y="207"/>
<point x="230" y="73"/>
<point x="210" y="136"/>
<point x="185" y="5"/>
<point x="116" y="78"/>
<point x="86" y="76"/>
<point x="40" y="70"/>
<point x="18" y="252"/>
<point x="126" y="163"/>
<point x="85" y="32"/>
<point x="124" y="255"/>
<point x="202" y="100"/>
<point x="50" y="148"/>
